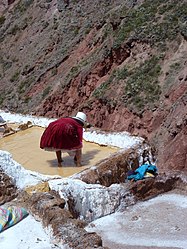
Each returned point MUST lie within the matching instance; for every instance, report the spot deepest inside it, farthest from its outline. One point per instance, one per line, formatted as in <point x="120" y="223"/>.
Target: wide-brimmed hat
<point x="81" y="116"/>
<point x="2" y="121"/>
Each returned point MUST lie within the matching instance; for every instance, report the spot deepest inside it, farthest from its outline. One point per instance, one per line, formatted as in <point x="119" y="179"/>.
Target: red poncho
<point x="62" y="134"/>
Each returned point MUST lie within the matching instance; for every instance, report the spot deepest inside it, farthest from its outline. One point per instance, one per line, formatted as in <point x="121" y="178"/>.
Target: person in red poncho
<point x="65" y="134"/>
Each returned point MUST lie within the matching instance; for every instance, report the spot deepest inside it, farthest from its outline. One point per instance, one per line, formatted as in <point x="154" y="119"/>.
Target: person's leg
<point x="77" y="158"/>
<point x="59" y="157"/>
<point x="8" y="129"/>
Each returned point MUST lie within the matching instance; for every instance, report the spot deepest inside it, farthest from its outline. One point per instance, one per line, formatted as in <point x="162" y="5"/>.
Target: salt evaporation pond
<point x="24" y="147"/>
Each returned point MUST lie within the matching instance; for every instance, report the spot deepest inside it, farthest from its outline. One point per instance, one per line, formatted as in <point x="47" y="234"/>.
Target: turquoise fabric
<point x="139" y="173"/>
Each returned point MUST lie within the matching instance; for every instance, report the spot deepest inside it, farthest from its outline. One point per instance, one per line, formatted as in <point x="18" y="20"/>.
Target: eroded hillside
<point x="121" y="62"/>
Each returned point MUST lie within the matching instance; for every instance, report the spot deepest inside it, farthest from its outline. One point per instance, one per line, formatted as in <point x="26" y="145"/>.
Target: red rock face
<point x="172" y="135"/>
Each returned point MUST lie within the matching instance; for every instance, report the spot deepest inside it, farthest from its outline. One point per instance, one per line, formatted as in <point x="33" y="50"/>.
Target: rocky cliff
<point x="121" y="62"/>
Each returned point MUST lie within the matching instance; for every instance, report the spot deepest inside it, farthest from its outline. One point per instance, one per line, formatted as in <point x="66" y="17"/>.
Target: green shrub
<point x="6" y="64"/>
<point x="72" y="73"/>
<point x="27" y="99"/>
<point x="21" y="88"/>
<point x="22" y="6"/>
<point x="15" y="77"/>
<point x="99" y="92"/>
<point x="121" y="73"/>
<point x="170" y="78"/>
<point x="46" y="91"/>
<point x="2" y="97"/>
<point x="2" y="20"/>
<point x="14" y="30"/>
<point x="25" y="84"/>
<point x="54" y="71"/>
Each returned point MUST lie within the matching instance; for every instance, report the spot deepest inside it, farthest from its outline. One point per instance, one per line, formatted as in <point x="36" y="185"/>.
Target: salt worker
<point x="65" y="134"/>
<point x="7" y="129"/>
<point x="3" y="122"/>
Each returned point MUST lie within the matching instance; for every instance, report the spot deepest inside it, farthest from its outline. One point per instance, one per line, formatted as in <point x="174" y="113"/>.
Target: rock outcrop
<point x="8" y="190"/>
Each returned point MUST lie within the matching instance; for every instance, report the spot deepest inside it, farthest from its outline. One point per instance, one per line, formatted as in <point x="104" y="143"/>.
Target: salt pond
<point x="24" y="147"/>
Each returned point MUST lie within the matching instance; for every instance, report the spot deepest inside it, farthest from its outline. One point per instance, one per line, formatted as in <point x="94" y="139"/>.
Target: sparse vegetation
<point x="24" y="85"/>
<point x="27" y="99"/>
<point x="22" y="6"/>
<point x="136" y="22"/>
<point x="104" y="87"/>
<point x="24" y="24"/>
<point x="72" y="73"/>
<point x="15" y="77"/>
<point x="54" y="71"/>
<point x="55" y="23"/>
<point x="2" y="97"/>
<point x="45" y="24"/>
<point x="142" y="88"/>
<point x="99" y="92"/>
<point x="2" y="20"/>
<point x="46" y="91"/>
<point x="14" y="30"/>
<point x="172" y="74"/>
<point x="6" y="64"/>
<point x="121" y="73"/>
<point x="21" y="88"/>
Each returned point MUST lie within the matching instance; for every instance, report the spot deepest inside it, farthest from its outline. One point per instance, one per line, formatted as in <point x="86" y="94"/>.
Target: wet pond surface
<point x="24" y="147"/>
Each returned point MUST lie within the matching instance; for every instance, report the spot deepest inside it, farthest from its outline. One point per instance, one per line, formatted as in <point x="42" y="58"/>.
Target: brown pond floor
<point x="24" y="147"/>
